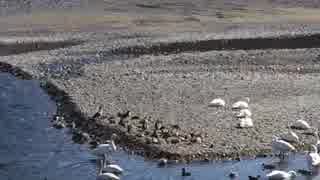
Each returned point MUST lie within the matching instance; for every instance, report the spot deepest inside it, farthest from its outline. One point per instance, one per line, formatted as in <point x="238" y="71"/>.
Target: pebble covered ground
<point x="155" y="76"/>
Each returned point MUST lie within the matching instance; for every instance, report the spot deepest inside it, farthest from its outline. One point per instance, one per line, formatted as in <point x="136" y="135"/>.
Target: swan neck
<point x="101" y="167"/>
<point x="113" y="145"/>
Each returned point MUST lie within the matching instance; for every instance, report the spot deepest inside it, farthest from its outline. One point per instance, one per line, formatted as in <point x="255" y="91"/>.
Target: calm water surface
<point x="30" y="149"/>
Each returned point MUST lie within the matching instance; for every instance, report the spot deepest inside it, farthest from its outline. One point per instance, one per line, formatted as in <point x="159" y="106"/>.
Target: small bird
<point x="158" y="125"/>
<point x="241" y="104"/>
<point x="123" y="115"/>
<point x="301" y="124"/>
<point x="254" y="177"/>
<point x="281" y="175"/>
<point x="233" y="175"/>
<point x="313" y="157"/>
<point x="245" y="122"/>
<point x="98" y="113"/>
<point x="281" y="147"/>
<point x="162" y="162"/>
<point x="268" y="166"/>
<point x="185" y="173"/>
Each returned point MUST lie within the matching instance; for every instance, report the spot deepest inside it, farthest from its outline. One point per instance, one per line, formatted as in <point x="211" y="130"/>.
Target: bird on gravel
<point x="290" y="136"/>
<point x="301" y="124"/>
<point x="244" y="113"/>
<point x="281" y="175"/>
<point x="243" y="104"/>
<point x="245" y="122"/>
<point x="281" y="147"/>
<point x="123" y="115"/>
<point x="98" y="113"/>
<point x="218" y="102"/>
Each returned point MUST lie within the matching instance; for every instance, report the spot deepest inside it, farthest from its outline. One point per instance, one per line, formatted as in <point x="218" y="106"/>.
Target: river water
<point x="30" y="149"/>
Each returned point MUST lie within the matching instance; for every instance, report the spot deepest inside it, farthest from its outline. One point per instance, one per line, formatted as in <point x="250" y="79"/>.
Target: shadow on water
<point x="31" y="149"/>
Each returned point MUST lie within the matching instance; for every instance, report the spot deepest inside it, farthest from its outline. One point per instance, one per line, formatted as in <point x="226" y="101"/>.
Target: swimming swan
<point x="281" y="175"/>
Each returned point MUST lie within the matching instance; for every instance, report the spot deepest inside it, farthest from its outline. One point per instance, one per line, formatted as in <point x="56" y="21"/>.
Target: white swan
<point x="102" y="150"/>
<point x="241" y="104"/>
<point x="107" y="175"/>
<point x="318" y="139"/>
<point x="301" y="124"/>
<point x="313" y="157"/>
<point x="244" y="113"/>
<point x="218" y="102"/>
<point x="290" y="136"/>
<point x="245" y="122"/>
<point x="113" y="168"/>
<point x="281" y="175"/>
<point x="281" y="147"/>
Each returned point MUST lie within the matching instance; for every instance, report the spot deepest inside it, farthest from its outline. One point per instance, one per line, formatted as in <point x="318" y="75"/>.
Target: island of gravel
<point x="155" y="92"/>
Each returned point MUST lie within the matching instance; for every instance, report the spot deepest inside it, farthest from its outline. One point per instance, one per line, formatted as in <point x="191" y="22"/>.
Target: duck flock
<point x="281" y="145"/>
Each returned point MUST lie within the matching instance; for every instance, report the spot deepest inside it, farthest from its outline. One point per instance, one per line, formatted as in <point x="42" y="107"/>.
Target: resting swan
<point x="244" y="113"/>
<point x="245" y="122"/>
<point x="218" y="102"/>
<point x="241" y="104"/>
<point x="301" y="124"/>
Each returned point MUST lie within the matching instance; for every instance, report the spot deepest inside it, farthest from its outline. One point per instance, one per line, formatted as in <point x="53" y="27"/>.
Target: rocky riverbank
<point x="157" y="98"/>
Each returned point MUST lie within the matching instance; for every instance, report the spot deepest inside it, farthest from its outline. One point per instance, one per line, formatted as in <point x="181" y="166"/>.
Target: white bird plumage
<point x="217" y="102"/>
<point x="113" y="168"/>
<point x="281" y="175"/>
<point x="281" y="147"/>
<point x="241" y="104"/>
<point x="108" y="176"/>
<point x="313" y="157"/>
<point x="244" y="113"/>
<point x="301" y="124"/>
<point x="106" y="148"/>
<point x="318" y="139"/>
<point x="290" y="136"/>
<point x="245" y="122"/>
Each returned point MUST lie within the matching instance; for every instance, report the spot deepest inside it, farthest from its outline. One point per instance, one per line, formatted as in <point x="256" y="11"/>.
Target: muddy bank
<point x="159" y="104"/>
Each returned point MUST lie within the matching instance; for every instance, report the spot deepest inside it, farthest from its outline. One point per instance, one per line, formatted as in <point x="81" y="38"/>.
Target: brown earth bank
<point x="158" y="101"/>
